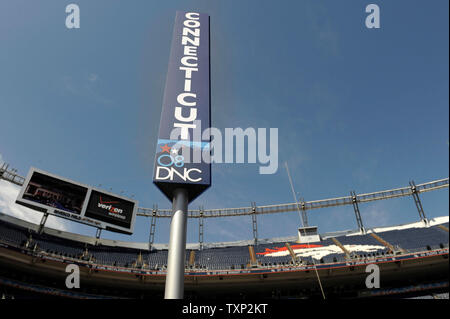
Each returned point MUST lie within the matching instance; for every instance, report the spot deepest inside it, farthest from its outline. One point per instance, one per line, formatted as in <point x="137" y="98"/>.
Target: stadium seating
<point x="366" y="240"/>
<point x="56" y="245"/>
<point x="267" y="259"/>
<point x="414" y="238"/>
<point x="157" y="259"/>
<point x="223" y="258"/>
<point x="231" y="257"/>
<point x="13" y="234"/>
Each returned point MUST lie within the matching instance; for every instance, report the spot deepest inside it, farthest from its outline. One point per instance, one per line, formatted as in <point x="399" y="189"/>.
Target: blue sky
<point x="356" y="108"/>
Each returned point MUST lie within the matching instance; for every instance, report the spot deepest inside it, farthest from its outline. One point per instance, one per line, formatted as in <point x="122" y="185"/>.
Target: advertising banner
<point x="182" y="156"/>
<point x="110" y="209"/>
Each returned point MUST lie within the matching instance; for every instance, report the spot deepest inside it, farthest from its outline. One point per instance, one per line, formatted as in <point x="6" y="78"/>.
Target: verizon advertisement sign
<point x="68" y="199"/>
<point x="110" y="209"/>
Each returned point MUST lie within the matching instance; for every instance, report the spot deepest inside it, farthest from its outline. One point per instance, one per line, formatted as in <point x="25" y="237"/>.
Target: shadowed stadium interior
<point x="33" y="262"/>
<point x="412" y="258"/>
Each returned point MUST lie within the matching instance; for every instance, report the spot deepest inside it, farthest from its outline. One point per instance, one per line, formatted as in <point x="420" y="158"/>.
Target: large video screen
<point x="57" y="193"/>
<point x="68" y="199"/>
<point x="110" y="209"/>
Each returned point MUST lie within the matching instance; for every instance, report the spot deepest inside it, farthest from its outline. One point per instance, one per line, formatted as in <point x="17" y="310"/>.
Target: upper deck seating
<point x="414" y="238"/>
<point x="362" y="245"/>
<point x="13" y="234"/>
<point x="232" y="257"/>
<point x="223" y="258"/>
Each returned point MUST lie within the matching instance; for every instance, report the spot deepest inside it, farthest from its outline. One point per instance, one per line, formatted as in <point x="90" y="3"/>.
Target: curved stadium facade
<point x="413" y="261"/>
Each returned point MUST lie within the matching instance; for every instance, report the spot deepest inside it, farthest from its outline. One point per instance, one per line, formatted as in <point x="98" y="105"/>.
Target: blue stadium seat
<point x="13" y="234"/>
<point x="233" y="257"/>
<point x="362" y="240"/>
<point x="413" y="238"/>
<point x="223" y="258"/>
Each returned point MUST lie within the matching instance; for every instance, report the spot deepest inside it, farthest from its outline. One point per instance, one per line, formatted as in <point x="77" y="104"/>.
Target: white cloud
<point x="93" y="77"/>
<point x="8" y="195"/>
<point x="231" y="229"/>
<point x="85" y="86"/>
<point x="376" y="215"/>
<point x="327" y="39"/>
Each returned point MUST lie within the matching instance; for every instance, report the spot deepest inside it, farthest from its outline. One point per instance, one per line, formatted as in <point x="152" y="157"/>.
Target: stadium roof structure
<point x="114" y="269"/>
<point x="161" y="246"/>
<point x="13" y="177"/>
<point x="354" y="199"/>
<point x="256" y="266"/>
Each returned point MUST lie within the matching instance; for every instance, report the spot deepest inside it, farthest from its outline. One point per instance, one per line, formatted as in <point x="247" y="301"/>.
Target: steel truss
<point x="291" y="207"/>
<point x="411" y="190"/>
<point x="11" y="175"/>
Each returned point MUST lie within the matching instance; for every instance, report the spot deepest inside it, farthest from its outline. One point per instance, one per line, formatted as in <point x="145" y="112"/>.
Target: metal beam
<point x="200" y="229"/>
<point x="304" y="215"/>
<point x="98" y="233"/>
<point x="291" y="207"/>
<point x="151" y="237"/>
<point x="357" y="213"/>
<point x="417" y="201"/>
<point x="11" y="176"/>
<point x="42" y="223"/>
<point x="254" y="223"/>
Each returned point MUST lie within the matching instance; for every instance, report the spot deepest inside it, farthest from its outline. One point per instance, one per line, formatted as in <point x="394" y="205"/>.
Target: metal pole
<point x="254" y="223"/>
<point x="200" y="229"/>
<point x="42" y="223"/>
<point x="415" y="195"/>
<point x="304" y="215"/>
<point x="177" y="246"/>
<point x="151" y="238"/>
<point x="357" y="213"/>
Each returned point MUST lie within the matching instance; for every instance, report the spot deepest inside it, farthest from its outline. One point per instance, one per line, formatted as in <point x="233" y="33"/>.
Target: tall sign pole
<point x="182" y="168"/>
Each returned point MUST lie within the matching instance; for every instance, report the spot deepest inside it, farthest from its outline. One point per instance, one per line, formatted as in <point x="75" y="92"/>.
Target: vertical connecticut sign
<point x="182" y="156"/>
